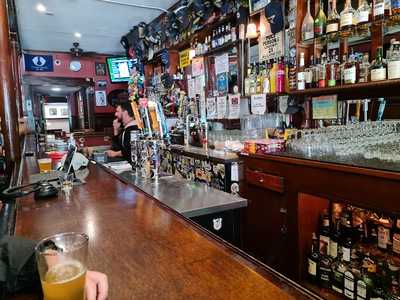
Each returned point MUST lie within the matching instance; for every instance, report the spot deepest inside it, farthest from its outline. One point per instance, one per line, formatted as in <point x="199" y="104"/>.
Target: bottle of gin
<point x="320" y="21"/>
<point x="307" y="28"/>
<point x="364" y="69"/>
<point x="378" y="68"/>
<point x="332" y="22"/>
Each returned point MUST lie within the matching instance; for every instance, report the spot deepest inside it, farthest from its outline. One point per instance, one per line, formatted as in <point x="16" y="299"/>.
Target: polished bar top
<point x="147" y="250"/>
<point x="190" y="199"/>
<point x="210" y="154"/>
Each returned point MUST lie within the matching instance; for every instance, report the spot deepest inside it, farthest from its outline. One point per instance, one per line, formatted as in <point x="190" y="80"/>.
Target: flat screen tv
<point x="119" y="68"/>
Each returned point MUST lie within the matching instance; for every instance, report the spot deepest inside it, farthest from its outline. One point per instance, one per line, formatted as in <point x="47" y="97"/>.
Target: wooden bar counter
<point x="147" y="250"/>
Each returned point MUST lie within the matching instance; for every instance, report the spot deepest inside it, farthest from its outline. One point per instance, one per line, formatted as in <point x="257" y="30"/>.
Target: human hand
<point x="116" y="126"/>
<point x="111" y="153"/>
<point x="96" y="286"/>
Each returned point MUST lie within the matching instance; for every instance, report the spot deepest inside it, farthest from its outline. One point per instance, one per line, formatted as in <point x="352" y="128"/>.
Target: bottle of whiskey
<point x="320" y="21"/>
<point x="272" y="77"/>
<point x="364" y="69"/>
<point x="350" y="71"/>
<point x="292" y="74"/>
<point x="332" y="22"/>
<point x="324" y="233"/>
<point x="322" y="71"/>
<point x="338" y="269"/>
<point x="325" y="271"/>
<point x="363" y="17"/>
<point x="394" y="61"/>
<point x="384" y="235"/>
<point x="335" y="239"/>
<point x="379" y="9"/>
<point x="396" y="237"/>
<point x="301" y="82"/>
<point x="315" y="70"/>
<point x="347" y="18"/>
<point x="378" y="68"/>
<point x="260" y="79"/>
<point x="313" y="260"/>
<point x="307" y="27"/>
<point x="333" y="70"/>
<point x="267" y="80"/>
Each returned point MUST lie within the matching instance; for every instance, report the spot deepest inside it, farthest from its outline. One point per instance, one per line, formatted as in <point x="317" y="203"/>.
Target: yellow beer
<point x="44" y="165"/>
<point x="65" y="281"/>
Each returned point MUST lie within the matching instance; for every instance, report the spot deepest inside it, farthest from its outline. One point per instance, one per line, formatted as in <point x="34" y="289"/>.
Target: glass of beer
<point x="44" y="165"/>
<point x="62" y="265"/>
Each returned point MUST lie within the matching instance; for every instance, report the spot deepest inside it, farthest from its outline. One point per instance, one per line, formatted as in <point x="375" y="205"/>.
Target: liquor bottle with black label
<point x="396" y="237"/>
<point x="334" y="239"/>
<point x="384" y="235"/>
<point x="313" y="260"/>
<point x="338" y="269"/>
<point x="301" y="80"/>
<point x="378" y="68"/>
<point x="324" y="233"/>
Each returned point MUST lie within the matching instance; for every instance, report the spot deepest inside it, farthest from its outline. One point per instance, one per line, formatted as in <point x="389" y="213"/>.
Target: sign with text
<point x="197" y="66"/>
<point x="258" y="104"/>
<point x="38" y="63"/>
<point x="184" y="60"/>
<point x="222" y="64"/>
<point x="234" y="106"/>
<point x="221" y="107"/>
<point x="271" y="46"/>
<point x="324" y="107"/>
<point x="211" y="108"/>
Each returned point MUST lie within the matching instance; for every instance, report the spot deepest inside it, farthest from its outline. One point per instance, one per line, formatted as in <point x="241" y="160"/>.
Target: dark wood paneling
<point x="264" y="180"/>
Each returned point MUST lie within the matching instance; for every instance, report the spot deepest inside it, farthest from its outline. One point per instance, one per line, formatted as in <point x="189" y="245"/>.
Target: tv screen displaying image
<point x="119" y="68"/>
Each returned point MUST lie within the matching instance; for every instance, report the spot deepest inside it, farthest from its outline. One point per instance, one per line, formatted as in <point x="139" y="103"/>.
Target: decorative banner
<point x="197" y="66"/>
<point x="211" y="108"/>
<point x="271" y="46"/>
<point x="222" y="64"/>
<point x="234" y="106"/>
<point x="221" y="107"/>
<point x="324" y="107"/>
<point x="101" y="98"/>
<point x="184" y="60"/>
<point x="38" y="63"/>
<point x="222" y="83"/>
<point x="258" y="104"/>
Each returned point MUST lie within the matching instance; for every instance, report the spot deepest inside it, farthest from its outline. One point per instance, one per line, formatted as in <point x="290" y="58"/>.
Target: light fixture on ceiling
<point x="41" y="8"/>
<point x="78" y="35"/>
<point x="251" y="32"/>
<point x="56" y="89"/>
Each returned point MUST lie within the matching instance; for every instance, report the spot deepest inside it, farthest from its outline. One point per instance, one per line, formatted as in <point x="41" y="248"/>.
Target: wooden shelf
<point x="368" y="89"/>
<point x="223" y="48"/>
<point x="324" y="293"/>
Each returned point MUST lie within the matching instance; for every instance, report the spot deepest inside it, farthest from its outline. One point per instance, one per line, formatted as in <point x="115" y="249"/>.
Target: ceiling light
<point x="78" y="35"/>
<point x="56" y="89"/>
<point x="41" y="8"/>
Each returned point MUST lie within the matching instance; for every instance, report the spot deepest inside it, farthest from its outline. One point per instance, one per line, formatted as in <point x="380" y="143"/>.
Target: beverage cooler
<point x="222" y="172"/>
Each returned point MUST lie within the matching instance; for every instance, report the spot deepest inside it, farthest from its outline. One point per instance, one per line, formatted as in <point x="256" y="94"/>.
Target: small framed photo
<point x="256" y="5"/>
<point x="100" y="69"/>
<point x="101" y="98"/>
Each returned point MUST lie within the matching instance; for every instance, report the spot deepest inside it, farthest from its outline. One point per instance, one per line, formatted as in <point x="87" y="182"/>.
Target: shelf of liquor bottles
<point x="352" y="253"/>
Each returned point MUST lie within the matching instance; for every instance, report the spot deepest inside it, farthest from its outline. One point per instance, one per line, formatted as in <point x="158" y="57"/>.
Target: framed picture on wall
<point x="256" y="5"/>
<point x="101" y="98"/>
<point x="100" y="69"/>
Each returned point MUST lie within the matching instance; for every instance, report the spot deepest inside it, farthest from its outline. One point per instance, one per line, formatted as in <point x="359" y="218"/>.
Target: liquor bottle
<point x="320" y="21"/>
<point x="325" y="271"/>
<point x="322" y="71"/>
<point x="267" y="80"/>
<point x="350" y="71"/>
<point x="364" y="69"/>
<point x="333" y="70"/>
<point x="338" y="269"/>
<point x="394" y="61"/>
<point x="313" y="260"/>
<point x="272" y="76"/>
<point x="363" y="17"/>
<point x="247" y="81"/>
<point x="280" y="76"/>
<point x="379" y="9"/>
<point x="378" y="68"/>
<point x="388" y="8"/>
<point x="384" y="236"/>
<point x="260" y="78"/>
<point x="315" y="70"/>
<point x="396" y="237"/>
<point x="347" y="18"/>
<point x="233" y="34"/>
<point x="292" y="74"/>
<point x="324" y="233"/>
<point x="213" y="40"/>
<point x="335" y="239"/>
<point x="308" y="73"/>
<point x="253" y="80"/>
<point x="228" y="34"/>
<point x="221" y="39"/>
<point x="365" y="282"/>
<point x="346" y="242"/>
<point x="307" y="27"/>
<point x="332" y="22"/>
<point x="301" y="82"/>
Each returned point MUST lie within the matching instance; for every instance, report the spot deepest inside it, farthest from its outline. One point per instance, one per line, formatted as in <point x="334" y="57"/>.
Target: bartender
<point x="123" y="124"/>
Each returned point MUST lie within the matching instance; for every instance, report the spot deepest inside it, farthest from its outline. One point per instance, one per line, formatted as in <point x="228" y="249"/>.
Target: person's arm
<point x="112" y="153"/>
<point x="116" y="142"/>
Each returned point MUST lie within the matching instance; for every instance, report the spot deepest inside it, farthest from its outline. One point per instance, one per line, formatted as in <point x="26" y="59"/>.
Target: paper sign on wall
<point x="234" y="106"/>
<point x="258" y="104"/>
<point x="221" y="107"/>
<point x="222" y="83"/>
<point x="271" y="46"/>
<point x="184" y="60"/>
<point x="222" y="64"/>
<point x="199" y="84"/>
<point x="211" y="108"/>
<point x="191" y="88"/>
<point x="197" y="66"/>
<point x="324" y="107"/>
<point x="203" y="106"/>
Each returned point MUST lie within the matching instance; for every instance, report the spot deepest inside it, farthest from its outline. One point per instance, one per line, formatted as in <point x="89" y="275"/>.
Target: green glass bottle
<point x="320" y="21"/>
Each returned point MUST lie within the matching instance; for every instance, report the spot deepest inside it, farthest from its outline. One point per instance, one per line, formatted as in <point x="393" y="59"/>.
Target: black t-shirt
<point x="124" y="141"/>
